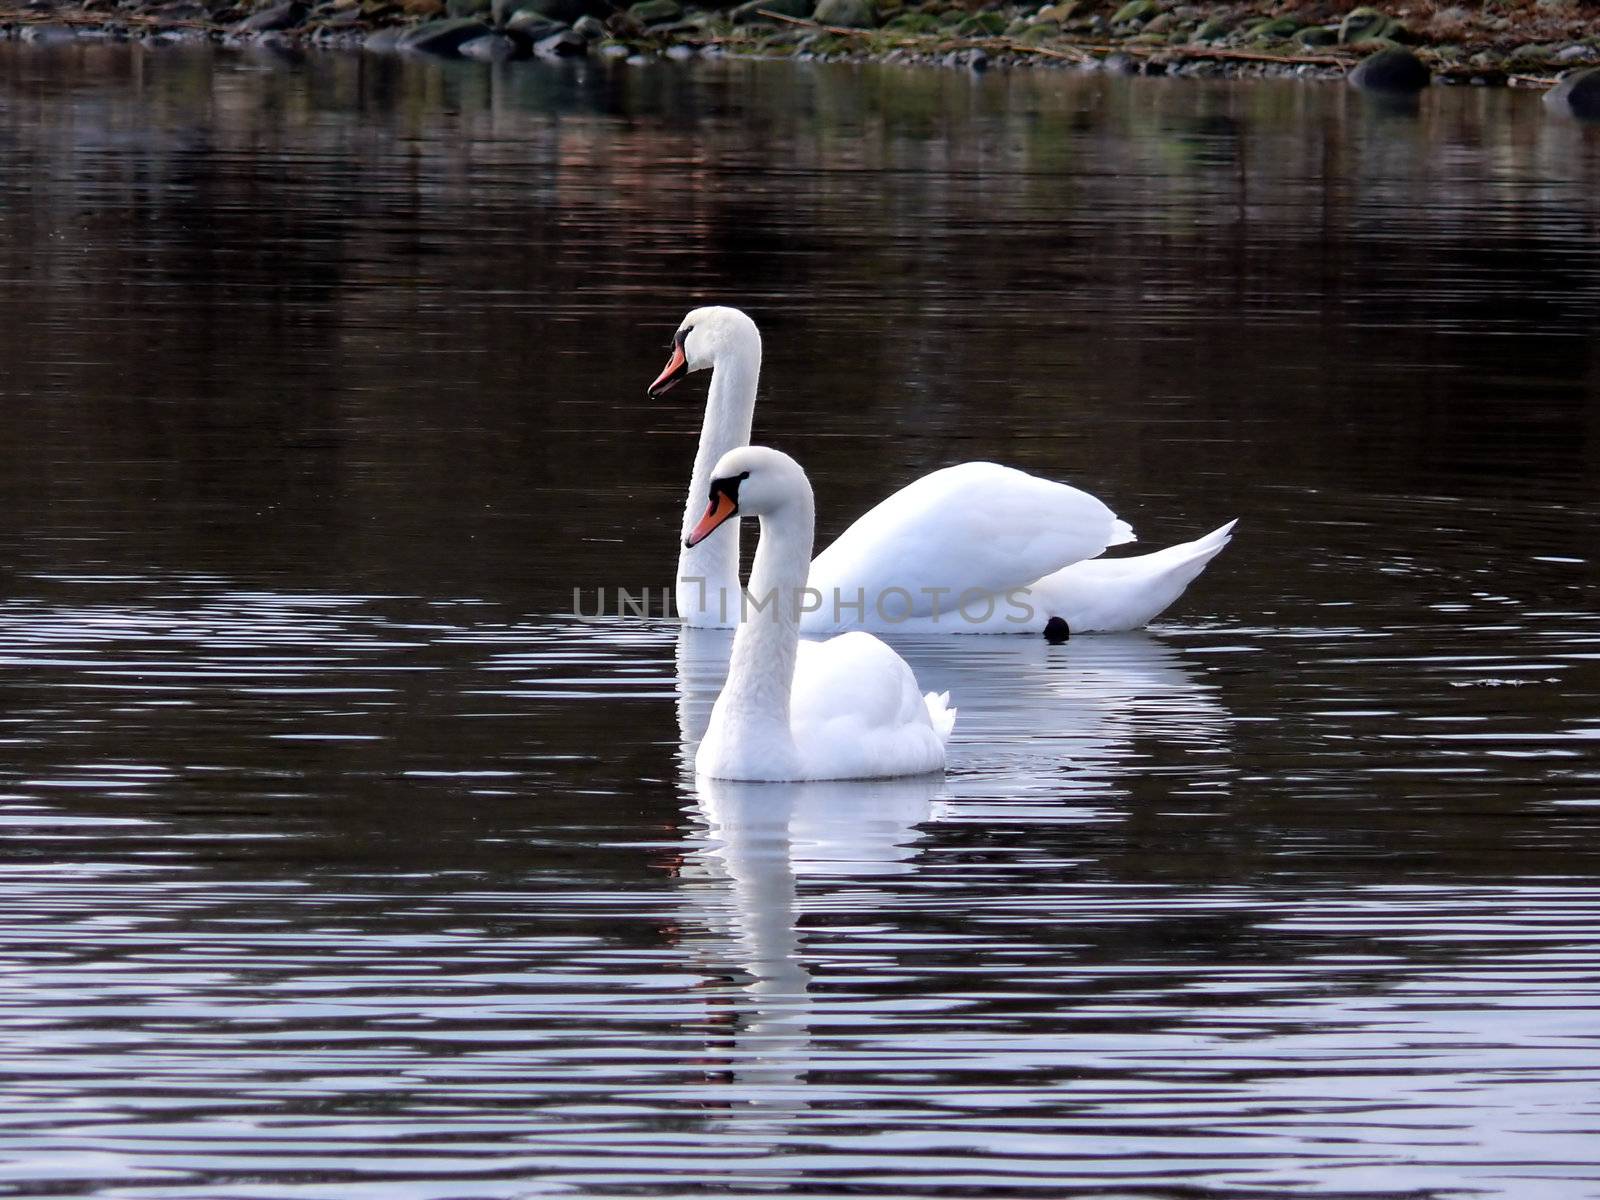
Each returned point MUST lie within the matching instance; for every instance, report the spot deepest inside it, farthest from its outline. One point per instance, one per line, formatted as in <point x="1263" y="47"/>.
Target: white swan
<point x="975" y="548"/>
<point x="847" y="708"/>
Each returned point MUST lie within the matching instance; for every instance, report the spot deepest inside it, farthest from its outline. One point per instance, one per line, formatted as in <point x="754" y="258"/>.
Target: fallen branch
<point x="1072" y="55"/>
<point x="839" y="29"/>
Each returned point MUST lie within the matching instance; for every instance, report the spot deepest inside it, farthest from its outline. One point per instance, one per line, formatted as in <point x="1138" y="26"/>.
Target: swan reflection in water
<point x="741" y="897"/>
<point x="1059" y="722"/>
<point x="1034" y="719"/>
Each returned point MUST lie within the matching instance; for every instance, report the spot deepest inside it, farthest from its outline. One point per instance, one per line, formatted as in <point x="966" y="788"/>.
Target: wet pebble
<point x="274" y="17"/>
<point x="565" y="44"/>
<point x="48" y="35"/>
<point x="533" y="26"/>
<point x="442" y="37"/>
<point x="491" y="47"/>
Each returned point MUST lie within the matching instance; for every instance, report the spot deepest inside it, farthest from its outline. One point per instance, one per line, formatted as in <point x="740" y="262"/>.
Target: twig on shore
<point x="844" y="30"/>
<point x="1315" y="60"/>
<point x="1075" y="52"/>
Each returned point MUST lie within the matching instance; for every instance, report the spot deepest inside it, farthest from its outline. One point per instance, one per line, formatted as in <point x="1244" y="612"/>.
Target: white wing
<point x="974" y="527"/>
<point x="856" y="712"/>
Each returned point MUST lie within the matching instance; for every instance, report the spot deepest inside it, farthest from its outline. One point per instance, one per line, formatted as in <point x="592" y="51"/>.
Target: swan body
<point x="975" y="548"/>
<point x="847" y="708"/>
<point x="943" y="545"/>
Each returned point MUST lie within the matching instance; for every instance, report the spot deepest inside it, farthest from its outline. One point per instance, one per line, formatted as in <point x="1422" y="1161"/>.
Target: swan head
<point x="704" y="337"/>
<point x="753" y="480"/>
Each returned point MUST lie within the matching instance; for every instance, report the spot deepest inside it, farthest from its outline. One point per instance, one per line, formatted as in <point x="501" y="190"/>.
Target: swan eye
<point x="728" y="486"/>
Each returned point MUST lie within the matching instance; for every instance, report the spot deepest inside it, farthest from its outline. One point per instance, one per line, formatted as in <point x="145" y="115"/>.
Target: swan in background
<point x="1012" y="552"/>
<point x="847" y="708"/>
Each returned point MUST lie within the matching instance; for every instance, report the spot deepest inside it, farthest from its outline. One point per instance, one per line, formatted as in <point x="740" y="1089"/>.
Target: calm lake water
<point x="338" y="861"/>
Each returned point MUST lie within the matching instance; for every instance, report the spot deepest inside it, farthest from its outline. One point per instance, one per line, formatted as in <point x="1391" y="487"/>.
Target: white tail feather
<point x="1108" y="595"/>
<point x="940" y="713"/>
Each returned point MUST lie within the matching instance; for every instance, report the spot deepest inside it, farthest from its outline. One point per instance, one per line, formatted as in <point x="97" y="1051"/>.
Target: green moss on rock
<point x="787" y="8"/>
<point x="655" y="12"/>
<point x="1362" y="25"/>
<point x="853" y="14"/>
<point x="1135" y="12"/>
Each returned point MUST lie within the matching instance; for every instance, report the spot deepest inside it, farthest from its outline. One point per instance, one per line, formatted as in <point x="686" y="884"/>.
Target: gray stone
<point x="1533" y="52"/>
<point x="678" y="53"/>
<point x="531" y="26"/>
<point x="1213" y="28"/>
<point x="614" y="50"/>
<point x="1577" y="94"/>
<point x="1396" y="70"/>
<point x="491" y="47"/>
<point x="1120" y="64"/>
<point x="341" y="16"/>
<point x="853" y="14"/>
<point x="656" y="12"/>
<point x="1578" y="54"/>
<point x="48" y="35"/>
<point x="277" y="16"/>
<point x="565" y="44"/>
<point x="383" y="41"/>
<point x="442" y="37"/>
<point x="564" y="11"/>
<point x="589" y="28"/>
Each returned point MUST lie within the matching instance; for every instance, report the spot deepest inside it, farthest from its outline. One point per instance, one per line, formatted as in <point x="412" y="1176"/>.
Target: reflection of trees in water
<point x="321" y="299"/>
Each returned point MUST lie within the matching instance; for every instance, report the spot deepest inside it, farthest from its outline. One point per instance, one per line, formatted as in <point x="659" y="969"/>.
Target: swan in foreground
<point x="975" y="548"/>
<point x="847" y="708"/>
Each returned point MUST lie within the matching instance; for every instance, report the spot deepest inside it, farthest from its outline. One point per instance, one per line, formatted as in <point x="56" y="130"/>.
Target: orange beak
<point x="677" y="367"/>
<point x="718" y="511"/>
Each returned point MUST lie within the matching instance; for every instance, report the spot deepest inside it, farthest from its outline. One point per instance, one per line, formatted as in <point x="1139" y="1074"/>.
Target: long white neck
<point x="708" y="574"/>
<point x="761" y="667"/>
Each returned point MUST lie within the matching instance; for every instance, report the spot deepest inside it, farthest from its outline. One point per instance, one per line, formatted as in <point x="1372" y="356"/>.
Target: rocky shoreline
<point x="1528" y="42"/>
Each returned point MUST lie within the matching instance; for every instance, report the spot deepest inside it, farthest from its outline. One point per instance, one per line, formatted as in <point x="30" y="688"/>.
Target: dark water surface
<point x="338" y="862"/>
